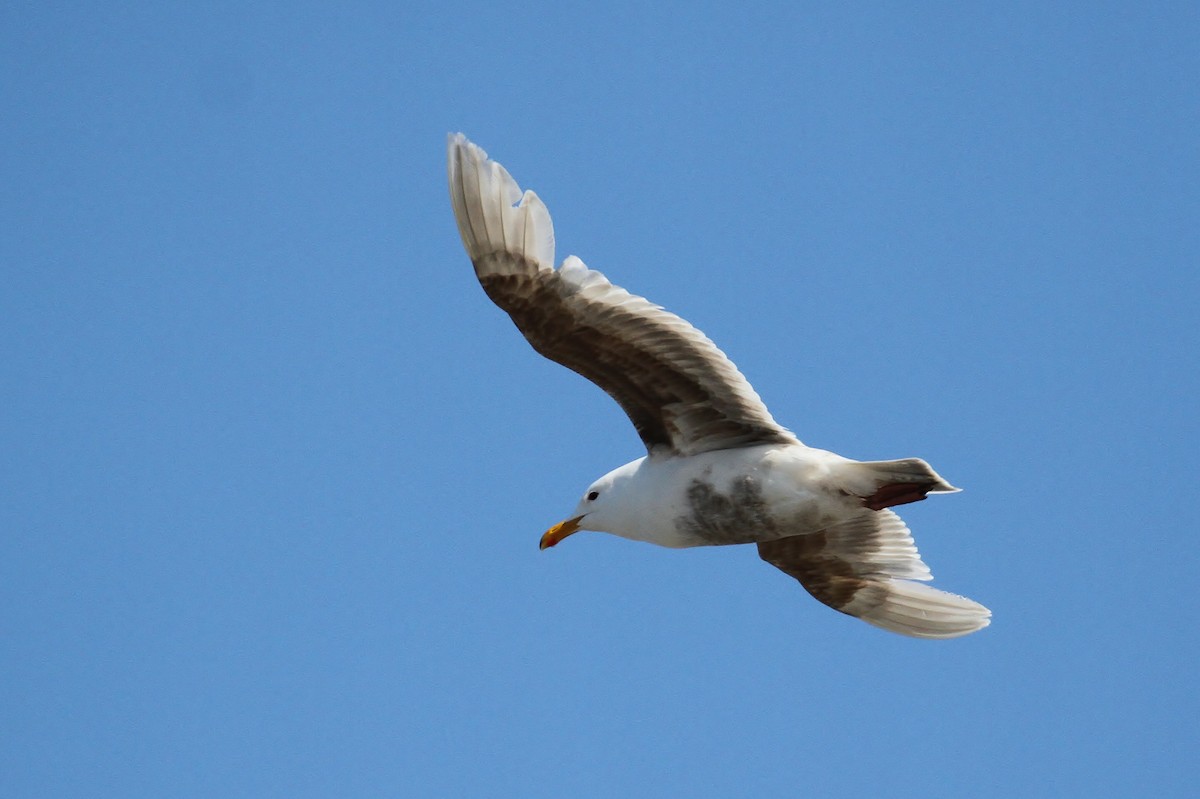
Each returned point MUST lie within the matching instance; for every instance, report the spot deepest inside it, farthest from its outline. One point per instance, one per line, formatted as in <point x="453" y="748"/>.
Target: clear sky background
<point x="273" y="469"/>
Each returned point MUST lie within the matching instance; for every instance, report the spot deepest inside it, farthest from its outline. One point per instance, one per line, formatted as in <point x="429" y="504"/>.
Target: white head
<point x="604" y="507"/>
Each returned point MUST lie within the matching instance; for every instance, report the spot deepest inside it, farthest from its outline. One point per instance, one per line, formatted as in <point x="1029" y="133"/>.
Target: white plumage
<point x="719" y="469"/>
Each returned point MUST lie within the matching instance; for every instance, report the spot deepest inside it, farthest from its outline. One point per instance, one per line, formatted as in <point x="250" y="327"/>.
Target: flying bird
<point x="719" y="469"/>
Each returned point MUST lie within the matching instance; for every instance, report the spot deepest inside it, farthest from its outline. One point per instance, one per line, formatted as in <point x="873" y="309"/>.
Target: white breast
<point x="733" y="496"/>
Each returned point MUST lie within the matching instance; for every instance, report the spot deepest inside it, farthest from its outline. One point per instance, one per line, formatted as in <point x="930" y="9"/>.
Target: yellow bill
<point x="559" y="531"/>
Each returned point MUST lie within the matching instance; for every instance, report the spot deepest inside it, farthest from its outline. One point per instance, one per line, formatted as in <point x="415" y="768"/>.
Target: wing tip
<point x="918" y="611"/>
<point x="494" y="216"/>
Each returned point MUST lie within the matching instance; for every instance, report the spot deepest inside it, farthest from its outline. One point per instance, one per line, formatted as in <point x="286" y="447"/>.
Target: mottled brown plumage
<point x="636" y="359"/>
<point x="827" y="577"/>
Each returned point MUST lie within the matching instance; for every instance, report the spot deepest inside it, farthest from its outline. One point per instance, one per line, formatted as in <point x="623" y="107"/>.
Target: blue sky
<point x="274" y="470"/>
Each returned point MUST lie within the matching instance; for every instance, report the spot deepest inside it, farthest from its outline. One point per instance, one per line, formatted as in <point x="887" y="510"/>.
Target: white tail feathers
<point x="905" y="470"/>
<point x="884" y="484"/>
<point x="494" y="218"/>
<point x="917" y="610"/>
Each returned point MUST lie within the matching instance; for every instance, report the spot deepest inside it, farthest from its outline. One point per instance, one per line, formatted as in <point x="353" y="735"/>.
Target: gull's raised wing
<point x="682" y="394"/>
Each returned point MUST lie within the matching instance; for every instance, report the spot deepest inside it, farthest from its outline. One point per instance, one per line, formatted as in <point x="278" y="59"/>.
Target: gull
<point x="718" y="469"/>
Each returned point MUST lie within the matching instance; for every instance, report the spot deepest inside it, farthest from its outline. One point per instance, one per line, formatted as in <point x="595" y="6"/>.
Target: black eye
<point x="592" y="495"/>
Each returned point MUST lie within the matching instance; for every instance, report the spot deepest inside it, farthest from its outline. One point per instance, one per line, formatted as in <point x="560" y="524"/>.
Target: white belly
<point x="735" y="496"/>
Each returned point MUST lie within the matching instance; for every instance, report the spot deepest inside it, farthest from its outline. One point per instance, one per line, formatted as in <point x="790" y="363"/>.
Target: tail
<point x="503" y="230"/>
<point x="914" y="609"/>
<point x="883" y="484"/>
